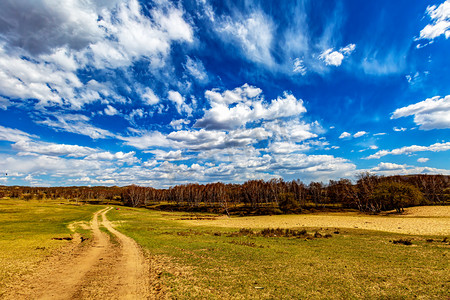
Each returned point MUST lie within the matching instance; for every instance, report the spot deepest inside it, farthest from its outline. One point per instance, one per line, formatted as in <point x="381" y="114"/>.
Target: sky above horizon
<point x="160" y="93"/>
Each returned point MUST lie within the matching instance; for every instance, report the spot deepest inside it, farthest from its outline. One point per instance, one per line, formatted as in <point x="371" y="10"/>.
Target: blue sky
<point x="160" y="93"/>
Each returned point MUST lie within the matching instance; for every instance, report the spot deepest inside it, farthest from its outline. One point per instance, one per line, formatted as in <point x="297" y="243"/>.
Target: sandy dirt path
<point x="111" y="266"/>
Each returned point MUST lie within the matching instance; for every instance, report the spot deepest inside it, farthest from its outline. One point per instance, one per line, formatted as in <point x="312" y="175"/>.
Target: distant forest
<point x="370" y="193"/>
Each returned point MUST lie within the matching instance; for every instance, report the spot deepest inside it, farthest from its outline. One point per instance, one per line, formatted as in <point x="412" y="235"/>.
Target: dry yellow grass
<point x="432" y="220"/>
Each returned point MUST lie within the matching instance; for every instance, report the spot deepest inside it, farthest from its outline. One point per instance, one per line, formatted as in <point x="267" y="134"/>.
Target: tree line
<point x="370" y="193"/>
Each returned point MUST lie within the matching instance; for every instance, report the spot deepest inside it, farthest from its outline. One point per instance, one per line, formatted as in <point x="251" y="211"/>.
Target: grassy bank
<point x="27" y="229"/>
<point x="219" y="262"/>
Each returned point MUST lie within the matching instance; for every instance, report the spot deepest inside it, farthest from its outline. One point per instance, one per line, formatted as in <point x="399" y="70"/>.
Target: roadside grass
<point x="207" y="262"/>
<point x="27" y="229"/>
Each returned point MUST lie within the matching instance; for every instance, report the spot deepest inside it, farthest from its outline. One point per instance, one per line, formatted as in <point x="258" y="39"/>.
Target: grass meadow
<point x="216" y="262"/>
<point x="26" y="232"/>
<point x="199" y="256"/>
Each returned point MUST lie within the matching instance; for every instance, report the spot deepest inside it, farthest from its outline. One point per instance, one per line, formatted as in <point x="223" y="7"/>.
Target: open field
<point x="211" y="257"/>
<point x="203" y="256"/>
<point x="26" y="232"/>
<point x="429" y="220"/>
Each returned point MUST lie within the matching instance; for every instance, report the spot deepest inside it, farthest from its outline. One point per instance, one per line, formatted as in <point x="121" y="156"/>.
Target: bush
<point x="396" y="195"/>
<point x="288" y="203"/>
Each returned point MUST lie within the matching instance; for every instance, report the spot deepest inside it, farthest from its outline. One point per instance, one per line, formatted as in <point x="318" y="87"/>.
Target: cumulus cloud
<point x="43" y="49"/>
<point x="49" y="24"/>
<point x="423" y="159"/>
<point x="359" y="134"/>
<point x="52" y="149"/>
<point x="287" y="147"/>
<point x="149" y="97"/>
<point x="146" y="140"/>
<point x="110" y="111"/>
<point x="178" y="124"/>
<point x="432" y="113"/>
<point x="180" y="103"/>
<point x="388" y="169"/>
<point x="335" y="58"/>
<point x="344" y="135"/>
<point x="438" y="147"/>
<point x="248" y="108"/>
<point x="440" y="25"/>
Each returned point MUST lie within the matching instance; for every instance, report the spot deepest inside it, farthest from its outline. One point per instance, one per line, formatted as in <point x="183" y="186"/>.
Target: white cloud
<point x="359" y="134"/>
<point x="432" y="113"/>
<point x="178" y="124"/>
<point x="253" y="34"/>
<point x="73" y="35"/>
<point x="4" y="103"/>
<point x="146" y="140"/>
<point x="248" y="108"/>
<point x="332" y="58"/>
<point x="347" y="50"/>
<point x="411" y="149"/>
<point x="169" y="156"/>
<point x="179" y="102"/>
<point x="49" y="24"/>
<point x="344" y="135"/>
<point x="335" y="58"/>
<point x="26" y="147"/>
<point x="286" y="147"/>
<point x="399" y="129"/>
<point x="389" y="169"/>
<point x="149" y="97"/>
<point x="78" y="124"/>
<point x="299" y="67"/>
<point x="111" y="111"/>
<point x="440" y="17"/>
<point x="13" y="135"/>
<point x="423" y="159"/>
<point x="196" y="69"/>
<point x="292" y="130"/>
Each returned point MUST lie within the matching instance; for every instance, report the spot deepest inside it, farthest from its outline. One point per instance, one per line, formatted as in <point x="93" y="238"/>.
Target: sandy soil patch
<point x="416" y="221"/>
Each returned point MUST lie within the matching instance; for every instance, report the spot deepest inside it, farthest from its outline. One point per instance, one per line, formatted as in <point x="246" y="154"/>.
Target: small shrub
<point x="403" y="242"/>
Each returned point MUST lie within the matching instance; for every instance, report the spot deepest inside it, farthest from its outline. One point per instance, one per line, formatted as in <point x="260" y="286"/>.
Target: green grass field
<point x="26" y="232"/>
<point x="206" y="262"/>
<point x="217" y="262"/>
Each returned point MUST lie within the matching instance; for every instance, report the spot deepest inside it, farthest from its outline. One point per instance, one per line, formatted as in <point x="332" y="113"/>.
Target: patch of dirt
<point x="96" y="269"/>
<point x="432" y="220"/>
<point x="427" y="211"/>
<point x="81" y="224"/>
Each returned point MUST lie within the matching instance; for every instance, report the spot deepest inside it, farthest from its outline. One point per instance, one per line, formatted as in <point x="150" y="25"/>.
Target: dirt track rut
<point x="108" y="267"/>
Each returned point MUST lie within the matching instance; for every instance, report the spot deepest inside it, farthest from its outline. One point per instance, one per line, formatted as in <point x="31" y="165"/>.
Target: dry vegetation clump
<point x="406" y="242"/>
<point x="278" y="232"/>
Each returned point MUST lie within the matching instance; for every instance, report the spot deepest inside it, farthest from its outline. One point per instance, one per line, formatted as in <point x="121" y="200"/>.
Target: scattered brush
<point x="62" y="238"/>
<point x="278" y="232"/>
<point x="403" y="242"/>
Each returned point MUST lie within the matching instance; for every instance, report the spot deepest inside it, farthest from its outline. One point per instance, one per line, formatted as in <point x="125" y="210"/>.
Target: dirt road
<point x="110" y="266"/>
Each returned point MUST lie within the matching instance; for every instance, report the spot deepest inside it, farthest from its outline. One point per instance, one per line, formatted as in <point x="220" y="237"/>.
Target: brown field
<point x="429" y="220"/>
